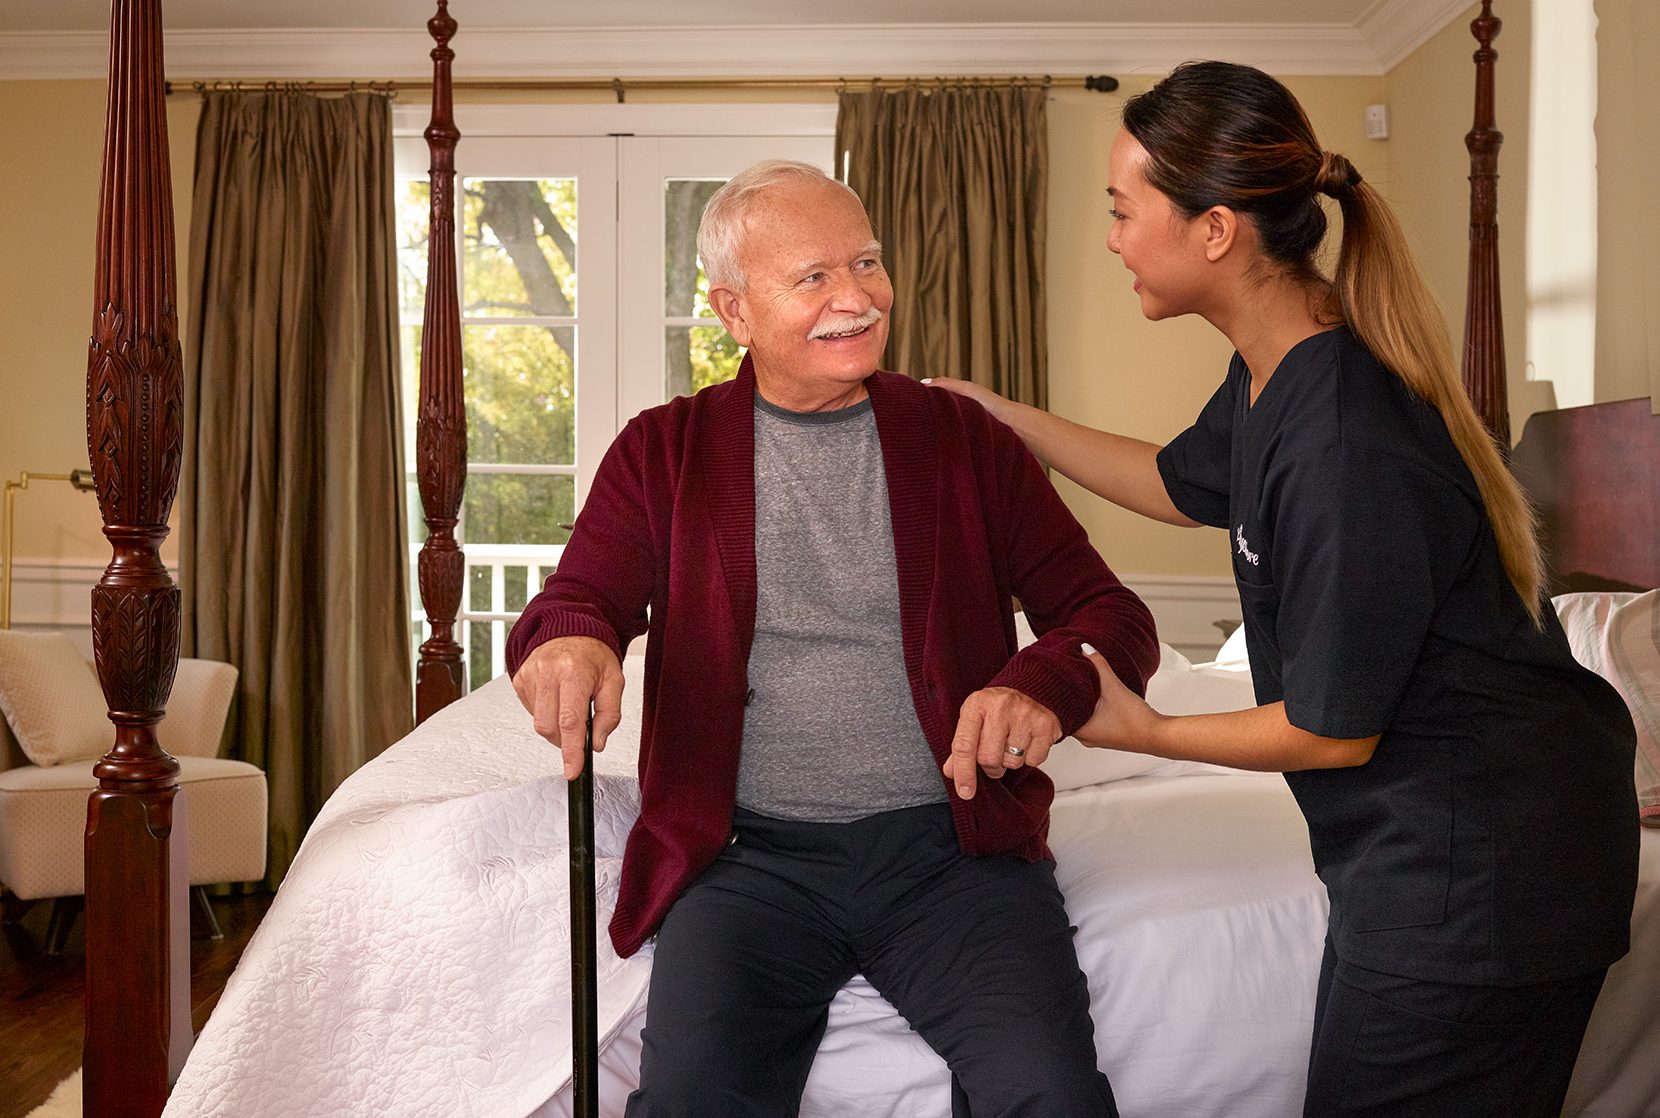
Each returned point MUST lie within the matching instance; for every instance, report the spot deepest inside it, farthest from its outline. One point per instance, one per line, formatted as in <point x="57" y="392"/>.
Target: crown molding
<point x="1396" y="28"/>
<point x="1387" y="33"/>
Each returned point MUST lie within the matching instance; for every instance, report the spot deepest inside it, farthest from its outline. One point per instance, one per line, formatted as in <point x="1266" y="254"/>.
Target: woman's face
<point x="1163" y="250"/>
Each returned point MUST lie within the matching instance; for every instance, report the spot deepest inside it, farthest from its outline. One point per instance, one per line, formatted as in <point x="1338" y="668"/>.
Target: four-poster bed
<point x="413" y="963"/>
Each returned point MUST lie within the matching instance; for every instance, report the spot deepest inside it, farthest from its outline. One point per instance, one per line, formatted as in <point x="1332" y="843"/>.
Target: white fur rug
<point x="65" y="1101"/>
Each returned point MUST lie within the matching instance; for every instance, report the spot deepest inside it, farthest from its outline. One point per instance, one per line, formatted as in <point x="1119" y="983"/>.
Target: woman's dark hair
<point x="1222" y="134"/>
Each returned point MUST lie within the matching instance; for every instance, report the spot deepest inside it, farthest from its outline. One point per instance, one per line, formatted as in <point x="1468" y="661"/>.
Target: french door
<point x="582" y="305"/>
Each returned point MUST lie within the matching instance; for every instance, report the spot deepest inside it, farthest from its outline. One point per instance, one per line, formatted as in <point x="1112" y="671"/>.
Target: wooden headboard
<point x="1593" y="474"/>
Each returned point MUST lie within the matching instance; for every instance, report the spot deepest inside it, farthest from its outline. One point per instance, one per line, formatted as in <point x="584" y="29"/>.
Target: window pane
<point x="409" y="362"/>
<point x="521" y="400"/>
<point x="519" y="247"/>
<point x="514" y="590"/>
<point x="478" y="590"/>
<point x="686" y="288"/>
<point x="698" y="356"/>
<point x="480" y="645"/>
<point x="518" y="508"/>
<point x="417" y="518"/>
<point x="414" y="209"/>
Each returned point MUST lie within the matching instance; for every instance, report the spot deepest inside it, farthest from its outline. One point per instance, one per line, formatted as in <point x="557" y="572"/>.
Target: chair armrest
<point x="197" y="708"/>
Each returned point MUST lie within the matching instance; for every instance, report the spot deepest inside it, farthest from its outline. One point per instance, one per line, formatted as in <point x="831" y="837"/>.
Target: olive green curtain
<point x="956" y="180"/>
<point x="293" y="553"/>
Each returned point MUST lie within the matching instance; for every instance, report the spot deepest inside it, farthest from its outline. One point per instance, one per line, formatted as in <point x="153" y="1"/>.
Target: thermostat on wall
<point x="1377" y="122"/>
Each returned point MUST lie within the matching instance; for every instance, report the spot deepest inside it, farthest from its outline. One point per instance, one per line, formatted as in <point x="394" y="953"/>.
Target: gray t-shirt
<point x="830" y="731"/>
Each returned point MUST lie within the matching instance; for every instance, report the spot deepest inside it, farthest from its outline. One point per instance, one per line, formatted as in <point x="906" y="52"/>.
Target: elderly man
<point x="823" y="556"/>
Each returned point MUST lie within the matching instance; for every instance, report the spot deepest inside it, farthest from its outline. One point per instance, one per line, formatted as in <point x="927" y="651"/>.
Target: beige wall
<point x="1427" y="153"/>
<point x="1109" y="367"/>
<point x="1628" y="165"/>
<point x="53" y="136"/>
<point x="1432" y="105"/>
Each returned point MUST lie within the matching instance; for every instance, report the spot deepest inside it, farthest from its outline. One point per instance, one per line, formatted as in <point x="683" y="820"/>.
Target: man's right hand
<point x="557" y="682"/>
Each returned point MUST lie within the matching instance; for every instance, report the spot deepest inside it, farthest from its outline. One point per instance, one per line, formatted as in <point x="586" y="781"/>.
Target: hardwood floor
<point x="41" y="1012"/>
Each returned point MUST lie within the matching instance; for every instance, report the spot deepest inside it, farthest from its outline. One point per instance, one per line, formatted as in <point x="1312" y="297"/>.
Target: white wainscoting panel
<point x="55" y="595"/>
<point x="1186" y="609"/>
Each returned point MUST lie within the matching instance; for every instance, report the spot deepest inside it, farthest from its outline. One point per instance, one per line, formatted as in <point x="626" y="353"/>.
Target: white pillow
<point x="1182" y="687"/>
<point x="51" y="699"/>
<point x="1617" y="635"/>
<point x="1232" y="654"/>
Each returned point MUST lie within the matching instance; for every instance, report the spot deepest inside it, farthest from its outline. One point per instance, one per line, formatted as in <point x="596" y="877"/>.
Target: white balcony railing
<point x="499" y="580"/>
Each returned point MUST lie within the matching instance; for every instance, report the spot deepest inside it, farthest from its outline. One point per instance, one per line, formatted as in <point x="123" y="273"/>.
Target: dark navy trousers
<point x="1389" y="1047"/>
<point x="976" y="953"/>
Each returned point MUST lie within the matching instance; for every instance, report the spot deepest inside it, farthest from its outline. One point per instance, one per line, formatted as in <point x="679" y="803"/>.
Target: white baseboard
<point x="1186" y="609"/>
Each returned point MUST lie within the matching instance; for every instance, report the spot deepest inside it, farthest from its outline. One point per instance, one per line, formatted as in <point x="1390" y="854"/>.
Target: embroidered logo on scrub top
<point x="1239" y="538"/>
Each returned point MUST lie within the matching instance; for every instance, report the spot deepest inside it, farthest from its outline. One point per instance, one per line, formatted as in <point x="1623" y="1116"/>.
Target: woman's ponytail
<point x="1385" y="301"/>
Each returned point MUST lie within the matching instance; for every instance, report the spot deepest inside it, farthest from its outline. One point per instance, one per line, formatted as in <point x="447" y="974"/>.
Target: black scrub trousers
<point x="1482" y="865"/>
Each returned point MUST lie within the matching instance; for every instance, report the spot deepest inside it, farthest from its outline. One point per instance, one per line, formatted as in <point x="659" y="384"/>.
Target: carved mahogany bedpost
<point x="441" y="426"/>
<point x="137" y="922"/>
<point x="1484" y="374"/>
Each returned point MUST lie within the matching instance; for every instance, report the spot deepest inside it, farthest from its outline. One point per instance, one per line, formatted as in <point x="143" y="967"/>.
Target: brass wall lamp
<point x="80" y="479"/>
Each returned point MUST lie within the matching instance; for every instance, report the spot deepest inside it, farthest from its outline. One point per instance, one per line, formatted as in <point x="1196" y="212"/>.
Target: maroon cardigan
<point x="670" y="526"/>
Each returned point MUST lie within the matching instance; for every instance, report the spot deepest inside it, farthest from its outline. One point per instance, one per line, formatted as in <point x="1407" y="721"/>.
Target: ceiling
<point x="300" y="39"/>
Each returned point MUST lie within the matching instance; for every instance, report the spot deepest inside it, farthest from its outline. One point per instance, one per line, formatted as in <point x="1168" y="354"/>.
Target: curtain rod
<point x="1100" y="83"/>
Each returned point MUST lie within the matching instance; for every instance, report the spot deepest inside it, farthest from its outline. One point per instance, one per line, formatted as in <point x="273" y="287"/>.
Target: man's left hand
<point x="999" y="728"/>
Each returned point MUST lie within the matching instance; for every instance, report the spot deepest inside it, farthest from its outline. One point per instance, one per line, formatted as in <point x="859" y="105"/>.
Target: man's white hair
<point x="721" y="232"/>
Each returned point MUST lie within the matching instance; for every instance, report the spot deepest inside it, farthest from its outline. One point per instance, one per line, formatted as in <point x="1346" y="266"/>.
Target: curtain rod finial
<point x="1101" y="83"/>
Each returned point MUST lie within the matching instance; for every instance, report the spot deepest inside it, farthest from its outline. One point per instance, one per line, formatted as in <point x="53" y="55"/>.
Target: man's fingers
<point x="1032" y="736"/>
<point x="558" y="683"/>
<point x="961" y="767"/>
<point x="573" y="727"/>
<point x="544" y="709"/>
<point x="525" y="688"/>
<point x="607" y="708"/>
<point x="994" y="740"/>
<point x="1037" y="753"/>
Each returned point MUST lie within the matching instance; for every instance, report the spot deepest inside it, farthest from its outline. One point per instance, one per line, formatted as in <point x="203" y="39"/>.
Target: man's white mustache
<point x="847" y="325"/>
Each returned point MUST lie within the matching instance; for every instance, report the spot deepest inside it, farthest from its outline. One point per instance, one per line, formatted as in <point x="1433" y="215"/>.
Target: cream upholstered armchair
<point x="53" y="726"/>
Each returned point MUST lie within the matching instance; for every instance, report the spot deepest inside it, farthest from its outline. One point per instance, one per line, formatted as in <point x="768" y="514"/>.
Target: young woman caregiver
<point x="1467" y="786"/>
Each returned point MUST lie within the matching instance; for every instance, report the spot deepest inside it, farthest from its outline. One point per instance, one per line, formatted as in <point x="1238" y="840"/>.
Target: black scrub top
<point x="1492" y="838"/>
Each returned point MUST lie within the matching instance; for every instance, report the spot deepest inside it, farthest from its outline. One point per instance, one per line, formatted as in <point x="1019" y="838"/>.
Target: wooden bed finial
<point x="441" y="424"/>
<point x="137" y="929"/>
<point x="1484" y="371"/>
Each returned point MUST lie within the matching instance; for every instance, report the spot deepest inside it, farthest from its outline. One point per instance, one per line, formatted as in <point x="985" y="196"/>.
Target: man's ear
<point x="1221" y="228"/>
<point x="728" y="305"/>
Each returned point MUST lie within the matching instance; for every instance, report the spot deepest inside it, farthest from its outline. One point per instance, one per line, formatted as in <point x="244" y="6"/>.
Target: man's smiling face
<point x="814" y="310"/>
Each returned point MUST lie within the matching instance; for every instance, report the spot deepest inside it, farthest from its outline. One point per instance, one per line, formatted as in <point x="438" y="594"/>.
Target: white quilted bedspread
<point x="417" y="959"/>
<point x="416" y="963"/>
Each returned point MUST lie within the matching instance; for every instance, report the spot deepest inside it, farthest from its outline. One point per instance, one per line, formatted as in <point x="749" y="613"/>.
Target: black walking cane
<point x="584" y="965"/>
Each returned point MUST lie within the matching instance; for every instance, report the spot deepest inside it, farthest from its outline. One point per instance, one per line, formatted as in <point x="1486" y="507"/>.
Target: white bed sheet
<point x="416" y="961"/>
